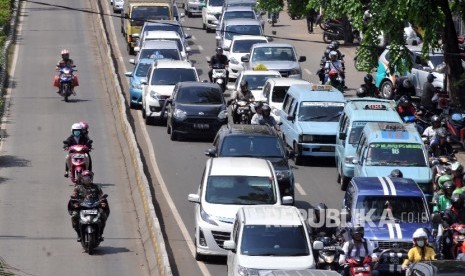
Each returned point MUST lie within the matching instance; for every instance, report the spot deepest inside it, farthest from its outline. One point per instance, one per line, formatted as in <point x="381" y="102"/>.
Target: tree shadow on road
<point x="9" y="161"/>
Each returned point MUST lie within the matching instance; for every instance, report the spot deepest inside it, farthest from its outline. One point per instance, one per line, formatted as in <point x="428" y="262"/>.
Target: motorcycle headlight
<point x="328" y="258"/>
<point x="244" y="271"/>
<point x="154" y="95"/>
<point x="306" y="138"/>
<point x="85" y="218"/>
<point x="223" y="114"/>
<point x="295" y="72"/>
<point x="207" y="218"/>
<point x="179" y="114"/>
<point x="234" y="61"/>
<point x="284" y="174"/>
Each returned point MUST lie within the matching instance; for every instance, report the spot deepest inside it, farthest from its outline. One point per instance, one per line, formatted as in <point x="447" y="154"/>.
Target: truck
<point x="137" y="12"/>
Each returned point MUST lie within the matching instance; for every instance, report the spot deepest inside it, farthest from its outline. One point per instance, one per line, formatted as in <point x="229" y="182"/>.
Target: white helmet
<point x="76" y="129"/>
<point x="333" y="54"/>
<point x="420" y="233"/>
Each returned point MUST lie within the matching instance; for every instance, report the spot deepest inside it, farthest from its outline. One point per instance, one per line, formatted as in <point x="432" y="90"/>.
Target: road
<point x="36" y="237"/>
<point x="176" y="167"/>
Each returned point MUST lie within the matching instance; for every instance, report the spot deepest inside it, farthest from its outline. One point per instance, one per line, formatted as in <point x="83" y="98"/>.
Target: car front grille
<point x="220" y="237"/>
<point x="324" y="139"/>
<point x="394" y="244"/>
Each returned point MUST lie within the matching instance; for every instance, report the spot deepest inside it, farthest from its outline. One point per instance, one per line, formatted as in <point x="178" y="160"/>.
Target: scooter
<point x="244" y="112"/>
<point x="66" y="81"/>
<point x="359" y="266"/>
<point x="328" y="257"/>
<point x="90" y="223"/>
<point x="458" y="238"/>
<point x="79" y="161"/>
<point x="219" y="75"/>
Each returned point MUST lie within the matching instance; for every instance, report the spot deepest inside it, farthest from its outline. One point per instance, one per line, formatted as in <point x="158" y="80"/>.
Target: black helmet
<point x="358" y="229"/>
<point x="404" y="101"/>
<point x="258" y="104"/>
<point x="266" y="110"/>
<point x="407" y="83"/>
<point x="361" y="92"/>
<point x="456" y="201"/>
<point x="396" y="174"/>
<point x="448" y="185"/>
<point x="368" y="78"/>
<point x="331" y="47"/>
<point x="219" y="50"/>
<point x="435" y="119"/>
<point x="335" y="44"/>
<point x="244" y="84"/>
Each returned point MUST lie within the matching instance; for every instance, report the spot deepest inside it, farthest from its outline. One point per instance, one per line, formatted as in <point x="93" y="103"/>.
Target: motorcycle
<point x="219" y="75"/>
<point x="334" y="30"/>
<point x="244" y="112"/>
<point x="458" y="238"/>
<point x="79" y="160"/>
<point x="359" y="266"/>
<point x="273" y="18"/>
<point x="66" y="80"/>
<point x="455" y="124"/>
<point x="90" y="223"/>
<point x="328" y="257"/>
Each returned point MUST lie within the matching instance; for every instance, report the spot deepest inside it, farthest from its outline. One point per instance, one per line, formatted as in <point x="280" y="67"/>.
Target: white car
<point x="163" y="75"/>
<point x="193" y="7"/>
<point x="275" y="89"/>
<point x="211" y="14"/>
<point x="117" y="5"/>
<point x="240" y="46"/>
<point x="229" y="183"/>
<point x="167" y="35"/>
<point x="236" y="27"/>
<point x="267" y="238"/>
<point x="256" y="81"/>
<point x="157" y="49"/>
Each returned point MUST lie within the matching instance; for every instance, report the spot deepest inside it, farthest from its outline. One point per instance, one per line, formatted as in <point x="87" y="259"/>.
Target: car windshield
<point x="395" y="154"/>
<point x="171" y="76"/>
<point x="177" y="40"/>
<point x="410" y="209"/>
<point x="320" y="111"/>
<point x="142" y="69"/>
<point x="251" y="146"/>
<point x="278" y="93"/>
<point x="233" y="30"/>
<point x="140" y="14"/>
<point x="256" y="82"/>
<point x="199" y="95"/>
<point x="164" y="27"/>
<point x="160" y="54"/>
<point x="274" y="240"/>
<point x="273" y="53"/>
<point x="436" y="60"/>
<point x="240" y="190"/>
<point x="238" y="14"/>
<point x="243" y="46"/>
<point x="216" y="3"/>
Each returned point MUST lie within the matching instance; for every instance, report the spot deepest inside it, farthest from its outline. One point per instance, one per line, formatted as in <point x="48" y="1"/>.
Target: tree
<point x="433" y="17"/>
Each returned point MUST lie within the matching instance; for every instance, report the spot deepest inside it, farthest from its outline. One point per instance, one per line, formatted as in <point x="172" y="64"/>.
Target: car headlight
<point x="284" y="174"/>
<point x="223" y="114"/>
<point x="348" y="159"/>
<point x="154" y="95"/>
<point x="207" y="218"/>
<point x="244" y="271"/>
<point x="179" y="114"/>
<point x="306" y="138"/>
<point x="328" y="258"/>
<point x="295" y="72"/>
<point x="234" y="61"/>
<point x="136" y="85"/>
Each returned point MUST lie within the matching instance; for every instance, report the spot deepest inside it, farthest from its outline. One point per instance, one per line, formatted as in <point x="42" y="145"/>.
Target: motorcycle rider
<point x="258" y="114"/>
<point x="404" y="87"/>
<point x="396" y="173"/>
<point x="81" y="191"/>
<point x="369" y="87"/>
<point x="219" y="58"/>
<point x="321" y="71"/>
<point x="443" y="201"/>
<point x="334" y="64"/>
<point x="439" y="145"/>
<point x="455" y="214"/>
<point x="428" y="92"/>
<point x="457" y="174"/>
<point x="65" y="61"/>
<point x="77" y="137"/>
<point x="243" y="94"/>
<point x="267" y="119"/>
<point x="405" y="108"/>
<point x="357" y="247"/>
<point x="431" y="130"/>
<point x="333" y="81"/>
<point x="421" y="250"/>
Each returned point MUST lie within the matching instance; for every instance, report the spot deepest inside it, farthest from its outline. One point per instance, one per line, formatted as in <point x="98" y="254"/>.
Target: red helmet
<point x="84" y="125"/>
<point x="332" y="73"/>
<point x="87" y="177"/>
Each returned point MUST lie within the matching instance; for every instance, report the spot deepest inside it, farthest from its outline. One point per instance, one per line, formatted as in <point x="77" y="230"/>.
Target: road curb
<point x="150" y="230"/>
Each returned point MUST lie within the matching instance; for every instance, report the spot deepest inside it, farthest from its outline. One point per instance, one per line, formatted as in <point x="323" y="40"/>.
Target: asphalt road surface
<point x="176" y="167"/>
<point x="36" y="237"/>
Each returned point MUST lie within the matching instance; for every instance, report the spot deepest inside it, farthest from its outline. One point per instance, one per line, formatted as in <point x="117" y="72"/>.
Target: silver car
<point x="281" y="57"/>
<point x="233" y="27"/>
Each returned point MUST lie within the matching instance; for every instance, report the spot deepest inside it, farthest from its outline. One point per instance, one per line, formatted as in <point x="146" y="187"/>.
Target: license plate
<point x="78" y="156"/>
<point x="361" y="269"/>
<point x="201" y="126"/>
<point x="89" y="212"/>
<point x="326" y="148"/>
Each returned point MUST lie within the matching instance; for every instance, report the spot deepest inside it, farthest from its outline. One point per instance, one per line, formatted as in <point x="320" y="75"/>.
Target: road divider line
<point x="307" y="71"/>
<point x="150" y="230"/>
<point x="200" y="47"/>
<point x="300" y="189"/>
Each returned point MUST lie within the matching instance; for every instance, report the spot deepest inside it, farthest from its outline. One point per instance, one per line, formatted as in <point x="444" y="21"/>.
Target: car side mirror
<point x="302" y="58"/>
<point x="188" y="49"/>
<point x="290" y="118"/>
<point x="144" y="82"/>
<point x="187" y="36"/>
<point x="287" y="200"/>
<point x="194" y="198"/>
<point x="218" y="37"/>
<point x="342" y="135"/>
<point x="245" y="58"/>
<point x="317" y="245"/>
<point x="128" y="74"/>
<point x="229" y="245"/>
<point x="132" y="61"/>
<point x="211" y="152"/>
<point x="136" y="49"/>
